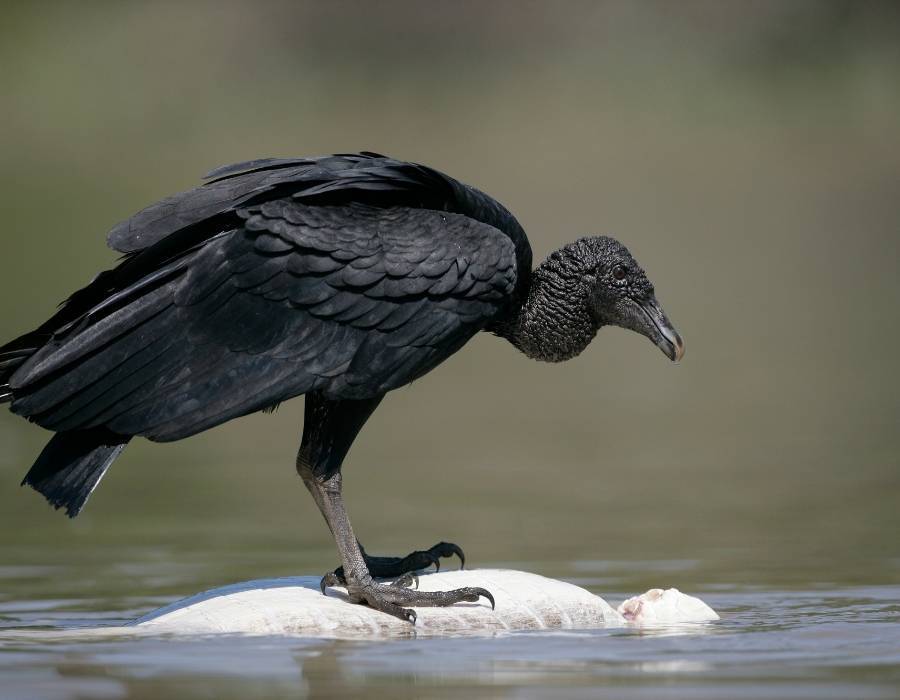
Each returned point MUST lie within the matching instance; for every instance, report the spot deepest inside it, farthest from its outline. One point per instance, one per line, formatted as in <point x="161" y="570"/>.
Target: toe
<point x="473" y="595"/>
<point x="448" y="549"/>
<point x="484" y="593"/>
<point x="330" y="579"/>
<point x="407" y="580"/>
<point x="376" y="598"/>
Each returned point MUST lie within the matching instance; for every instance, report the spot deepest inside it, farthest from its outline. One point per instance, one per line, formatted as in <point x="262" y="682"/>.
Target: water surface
<point x="824" y="641"/>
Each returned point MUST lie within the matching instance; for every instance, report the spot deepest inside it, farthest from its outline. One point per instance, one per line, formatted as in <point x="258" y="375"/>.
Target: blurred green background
<point x="747" y="153"/>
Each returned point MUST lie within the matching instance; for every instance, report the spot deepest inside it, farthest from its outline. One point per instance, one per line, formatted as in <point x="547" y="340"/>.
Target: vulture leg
<point x="329" y="429"/>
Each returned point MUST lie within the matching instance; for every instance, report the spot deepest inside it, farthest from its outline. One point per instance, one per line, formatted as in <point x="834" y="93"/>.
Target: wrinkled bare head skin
<point x="623" y="296"/>
<point x="583" y="286"/>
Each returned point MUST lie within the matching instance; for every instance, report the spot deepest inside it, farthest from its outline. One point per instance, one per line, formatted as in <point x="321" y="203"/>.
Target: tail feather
<point x="72" y="464"/>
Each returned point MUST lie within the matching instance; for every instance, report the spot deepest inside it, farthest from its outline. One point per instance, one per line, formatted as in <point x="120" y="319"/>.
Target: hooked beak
<point x="660" y="329"/>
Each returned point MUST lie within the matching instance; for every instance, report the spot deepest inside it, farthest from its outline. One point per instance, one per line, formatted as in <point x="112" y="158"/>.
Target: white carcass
<point x="295" y="606"/>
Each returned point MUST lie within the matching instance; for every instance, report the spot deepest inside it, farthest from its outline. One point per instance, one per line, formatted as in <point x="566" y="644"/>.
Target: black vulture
<point x="341" y="278"/>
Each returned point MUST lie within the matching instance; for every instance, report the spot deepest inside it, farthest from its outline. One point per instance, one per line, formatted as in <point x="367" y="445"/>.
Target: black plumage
<point x="341" y="278"/>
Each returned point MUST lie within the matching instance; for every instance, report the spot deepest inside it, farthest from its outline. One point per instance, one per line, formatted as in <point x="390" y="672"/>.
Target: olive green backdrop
<point x="747" y="153"/>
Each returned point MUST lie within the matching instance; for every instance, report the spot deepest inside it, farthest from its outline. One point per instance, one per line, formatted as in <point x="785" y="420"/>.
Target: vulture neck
<point x="555" y="322"/>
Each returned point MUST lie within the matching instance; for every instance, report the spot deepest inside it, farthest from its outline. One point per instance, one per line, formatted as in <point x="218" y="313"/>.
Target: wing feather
<point x="351" y="300"/>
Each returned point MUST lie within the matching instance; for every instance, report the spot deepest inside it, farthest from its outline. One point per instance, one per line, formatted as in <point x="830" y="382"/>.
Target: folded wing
<point x="352" y="300"/>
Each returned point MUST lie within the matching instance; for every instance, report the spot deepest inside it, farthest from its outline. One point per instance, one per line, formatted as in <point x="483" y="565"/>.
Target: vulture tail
<point x="72" y="464"/>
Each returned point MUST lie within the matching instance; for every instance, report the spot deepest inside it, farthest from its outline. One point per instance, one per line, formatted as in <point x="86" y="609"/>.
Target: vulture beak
<point x="657" y="327"/>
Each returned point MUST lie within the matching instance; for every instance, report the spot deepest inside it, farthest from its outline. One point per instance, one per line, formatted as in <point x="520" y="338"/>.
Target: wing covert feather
<point x="350" y="300"/>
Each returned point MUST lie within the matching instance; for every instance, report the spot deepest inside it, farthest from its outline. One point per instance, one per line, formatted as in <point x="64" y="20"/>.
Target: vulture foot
<point x="396" y="567"/>
<point x="391" y="598"/>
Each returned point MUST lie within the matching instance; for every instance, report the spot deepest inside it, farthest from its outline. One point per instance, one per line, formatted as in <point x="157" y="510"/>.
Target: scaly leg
<point x="329" y="429"/>
<point x="361" y="587"/>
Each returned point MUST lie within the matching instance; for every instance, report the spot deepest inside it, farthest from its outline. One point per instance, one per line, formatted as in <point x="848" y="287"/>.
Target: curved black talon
<point x="331" y="579"/>
<point x="487" y="594"/>
<point x="447" y="549"/>
<point x="470" y="595"/>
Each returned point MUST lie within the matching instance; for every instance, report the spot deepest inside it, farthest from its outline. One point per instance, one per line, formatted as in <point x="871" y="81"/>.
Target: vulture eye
<point x="619" y="273"/>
